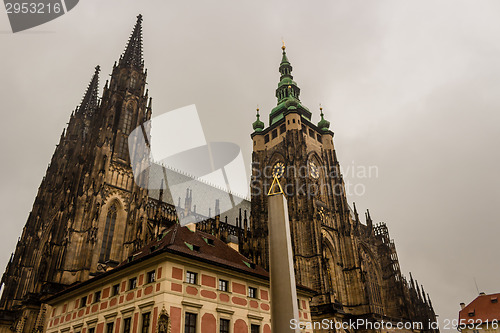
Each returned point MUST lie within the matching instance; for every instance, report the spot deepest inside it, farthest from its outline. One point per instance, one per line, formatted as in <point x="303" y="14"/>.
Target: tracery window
<point x="107" y="237"/>
<point x="372" y="285"/>
<point x="133" y="81"/>
<point x="127" y="118"/>
<point x="122" y="147"/>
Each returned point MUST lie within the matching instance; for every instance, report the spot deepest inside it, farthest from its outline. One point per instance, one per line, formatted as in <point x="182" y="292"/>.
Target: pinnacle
<point x="258" y="125"/>
<point x="323" y="124"/>
<point x="284" y="59"/>
<point x="90" y="99"/>
<point x="133" y="52"/>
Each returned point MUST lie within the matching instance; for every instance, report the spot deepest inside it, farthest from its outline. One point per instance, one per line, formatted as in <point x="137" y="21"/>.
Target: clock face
<point x="313" y="170"/>
<point x="278" y="169"/>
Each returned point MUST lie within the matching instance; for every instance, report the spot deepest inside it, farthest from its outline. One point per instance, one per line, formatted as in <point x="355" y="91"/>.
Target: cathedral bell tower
<point x="301" y="154"/>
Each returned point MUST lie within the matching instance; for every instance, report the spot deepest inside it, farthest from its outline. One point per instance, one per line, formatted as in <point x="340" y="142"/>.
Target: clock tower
<point x="353" y="267"/>
<point x="301" y="155"/>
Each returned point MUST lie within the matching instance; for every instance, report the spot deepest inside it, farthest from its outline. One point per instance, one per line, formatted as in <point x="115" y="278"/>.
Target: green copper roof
<point x="323" y="124"/>
<point x="284" y="59"/>
<point x="286" y="81"/>
<point x="258" y="125"/>
<point x="288" y="96"/>
<point x="287" y="93"/>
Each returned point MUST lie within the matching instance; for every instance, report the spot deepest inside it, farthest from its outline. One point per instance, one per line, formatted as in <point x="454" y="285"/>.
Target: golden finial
<point x="320" y="107"/>
<point x="283" y="47"/>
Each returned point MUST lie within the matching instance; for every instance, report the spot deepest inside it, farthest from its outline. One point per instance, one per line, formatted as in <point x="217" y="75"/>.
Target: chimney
<point x="462" y="306"/>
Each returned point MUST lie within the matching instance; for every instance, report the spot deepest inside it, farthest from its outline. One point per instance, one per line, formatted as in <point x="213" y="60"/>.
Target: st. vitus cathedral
<point x="89" y="214"/>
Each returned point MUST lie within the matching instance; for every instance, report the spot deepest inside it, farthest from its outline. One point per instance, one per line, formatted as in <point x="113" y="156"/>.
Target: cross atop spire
<point x="90" y="99"/>
<point x="133" y="52"/>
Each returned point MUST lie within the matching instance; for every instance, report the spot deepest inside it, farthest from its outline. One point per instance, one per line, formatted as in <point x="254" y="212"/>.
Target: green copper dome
<point x="323" y="124"/>
<point x="258" y="125"/>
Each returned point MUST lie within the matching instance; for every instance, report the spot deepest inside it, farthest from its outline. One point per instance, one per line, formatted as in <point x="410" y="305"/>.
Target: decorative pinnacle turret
<point x="356" y="215"/>
<point x="323" y="124"/>
<point x="258" y="125"/>
<point x="90" y="100"/>
<point x="133" y="52"/>
<point x="429" y="301"/>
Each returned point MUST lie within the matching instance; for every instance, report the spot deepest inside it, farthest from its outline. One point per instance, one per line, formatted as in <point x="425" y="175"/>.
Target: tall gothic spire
<point x="90" y="99"/>
<point x="133" y="52"/>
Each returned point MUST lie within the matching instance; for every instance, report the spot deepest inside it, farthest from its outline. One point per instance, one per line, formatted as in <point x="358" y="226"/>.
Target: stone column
<point x="283" y="287"/>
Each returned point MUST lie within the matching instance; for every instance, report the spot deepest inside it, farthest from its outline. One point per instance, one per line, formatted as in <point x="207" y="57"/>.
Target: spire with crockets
<point x="133" y="53"/>
<point x="90" y="99"/>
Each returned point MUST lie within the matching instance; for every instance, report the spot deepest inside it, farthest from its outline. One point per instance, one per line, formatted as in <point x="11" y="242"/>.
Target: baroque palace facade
<point x="90" y="216"/>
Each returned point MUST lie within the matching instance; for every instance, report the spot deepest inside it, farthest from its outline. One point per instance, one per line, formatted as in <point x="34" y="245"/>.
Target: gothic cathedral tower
<point x="302" y="155"/>
<point x="88" y="213"/>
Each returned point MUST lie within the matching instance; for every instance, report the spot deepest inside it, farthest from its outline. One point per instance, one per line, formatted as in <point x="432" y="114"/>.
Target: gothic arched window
<point x="133" y="81"/>
<point x="123" y="147"/>
<point x="127" y="118"/>
<point x="372" y="284"/>
<point x="107" y="237"/>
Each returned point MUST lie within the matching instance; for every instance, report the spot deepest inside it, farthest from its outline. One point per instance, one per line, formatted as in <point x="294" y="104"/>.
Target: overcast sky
<point x="410" y="87"/>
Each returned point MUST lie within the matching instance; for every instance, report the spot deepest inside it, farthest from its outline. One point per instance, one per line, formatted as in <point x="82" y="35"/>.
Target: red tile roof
<point x="201" y="246"/>
<point x="485" y="308"/>
<point x="198" y="245"/>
